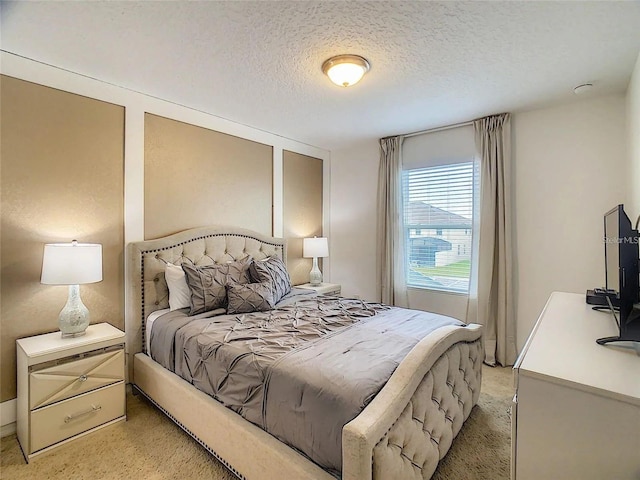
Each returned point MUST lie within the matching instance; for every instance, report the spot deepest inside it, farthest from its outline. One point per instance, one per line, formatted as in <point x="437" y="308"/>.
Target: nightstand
<point x="323" y="288"/>
<point x="68" y="387"/>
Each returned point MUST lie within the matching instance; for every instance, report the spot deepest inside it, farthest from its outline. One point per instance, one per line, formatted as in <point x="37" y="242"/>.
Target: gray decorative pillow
<point x="249" y="297"/>
<point x="274" y="271"/>
<point x="208" y="283"/>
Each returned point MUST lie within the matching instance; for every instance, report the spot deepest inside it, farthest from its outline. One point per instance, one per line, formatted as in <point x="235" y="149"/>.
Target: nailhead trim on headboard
<point x="142" y="322"/>
<point x="191" y="240"/>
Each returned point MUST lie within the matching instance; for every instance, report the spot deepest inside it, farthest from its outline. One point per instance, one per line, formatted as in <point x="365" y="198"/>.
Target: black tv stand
<point x="601" y="308"/>
<point x="605" y="340"/>
<point x="629" y="331"/>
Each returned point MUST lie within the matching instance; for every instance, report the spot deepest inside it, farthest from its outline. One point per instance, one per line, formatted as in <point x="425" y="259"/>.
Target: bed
<point x="402" y="432"/>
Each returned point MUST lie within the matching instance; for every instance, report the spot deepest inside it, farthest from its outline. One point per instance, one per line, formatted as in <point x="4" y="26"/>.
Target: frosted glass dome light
<point x="346" y="70"/>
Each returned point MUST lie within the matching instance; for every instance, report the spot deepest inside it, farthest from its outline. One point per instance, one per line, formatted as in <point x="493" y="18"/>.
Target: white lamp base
<point x="74" y="317"/>
<point x="315" y="275"/>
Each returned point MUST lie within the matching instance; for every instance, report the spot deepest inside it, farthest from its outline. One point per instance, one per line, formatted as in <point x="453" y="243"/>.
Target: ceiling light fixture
<point x="345" y="70"/>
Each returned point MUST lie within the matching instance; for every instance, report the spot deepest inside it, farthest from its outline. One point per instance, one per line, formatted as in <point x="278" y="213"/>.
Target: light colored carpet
<point x="149" y="446"/>
<point x="482" y="449"/>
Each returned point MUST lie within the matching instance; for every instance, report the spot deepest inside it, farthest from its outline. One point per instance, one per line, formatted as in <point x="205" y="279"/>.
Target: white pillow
<point x="179" y="293"/>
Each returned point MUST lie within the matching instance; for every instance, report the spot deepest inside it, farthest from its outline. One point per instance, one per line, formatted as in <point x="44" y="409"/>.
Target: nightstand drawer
<point x="62" y="420"/>
<point x="66" y="380"/>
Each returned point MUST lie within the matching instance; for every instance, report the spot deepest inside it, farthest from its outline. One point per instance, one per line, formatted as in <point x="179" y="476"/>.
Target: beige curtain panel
<point x="391" y="264"/>
<point x="491" y="295"/>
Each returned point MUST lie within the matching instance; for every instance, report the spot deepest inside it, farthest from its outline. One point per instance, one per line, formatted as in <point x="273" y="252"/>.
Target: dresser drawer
<point x="66" y="380"/>
<point x="57" y="422"/>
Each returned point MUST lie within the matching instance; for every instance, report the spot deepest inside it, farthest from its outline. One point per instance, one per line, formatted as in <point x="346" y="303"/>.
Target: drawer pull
<point x="94" y="408"/>
<point x="82" y="378"/>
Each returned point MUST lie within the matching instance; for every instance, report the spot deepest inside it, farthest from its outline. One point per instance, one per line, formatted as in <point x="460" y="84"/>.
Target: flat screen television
<point x="622" y="273"/>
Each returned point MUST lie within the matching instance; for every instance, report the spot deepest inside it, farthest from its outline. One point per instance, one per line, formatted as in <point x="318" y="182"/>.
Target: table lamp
<point x="313" y="248"/>
<point x="72" y="264"/>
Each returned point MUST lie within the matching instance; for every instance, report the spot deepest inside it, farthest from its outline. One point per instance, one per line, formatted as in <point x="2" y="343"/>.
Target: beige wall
<point x="33" y="217"/>
<point x="569" y="169"/>
<point x="354" y="187"/>
<point x="62" y="179"/>
<point x="195" y="177"/>
<point x="302" y="214"/>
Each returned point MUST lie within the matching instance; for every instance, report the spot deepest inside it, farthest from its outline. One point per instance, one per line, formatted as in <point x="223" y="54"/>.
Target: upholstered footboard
<point x="410" y="425"/>
<point x="402" y="434"/>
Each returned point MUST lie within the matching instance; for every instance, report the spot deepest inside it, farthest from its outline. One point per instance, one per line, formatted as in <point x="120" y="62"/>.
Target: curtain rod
<point x="438" y="129"/>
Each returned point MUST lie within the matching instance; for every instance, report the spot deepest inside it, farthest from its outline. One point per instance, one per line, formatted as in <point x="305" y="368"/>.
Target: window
<point x="438" y="217"/>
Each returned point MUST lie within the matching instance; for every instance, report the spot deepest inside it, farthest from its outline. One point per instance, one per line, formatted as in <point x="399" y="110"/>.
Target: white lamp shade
<point x="315" y="247"/>
<point x="71" y="263"/>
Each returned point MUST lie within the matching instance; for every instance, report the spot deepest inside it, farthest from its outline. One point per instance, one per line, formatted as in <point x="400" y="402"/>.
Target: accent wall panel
<point x="195" y="177"/>
<point x="62" y="179"/>
<point x="302" y="212"/>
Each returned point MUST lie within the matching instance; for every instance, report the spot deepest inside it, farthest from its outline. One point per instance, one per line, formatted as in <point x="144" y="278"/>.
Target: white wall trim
<point x="8" y="417"/>
<point x="136" y="105"/>
<point x="326" y="215"/>
<point x="134" y="175"/>
<point x="278" y="191"/>
<point x="50" y="76"/>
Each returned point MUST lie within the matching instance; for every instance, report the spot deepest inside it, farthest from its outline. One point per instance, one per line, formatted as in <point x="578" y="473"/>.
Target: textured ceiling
<point x="258" y="63"/>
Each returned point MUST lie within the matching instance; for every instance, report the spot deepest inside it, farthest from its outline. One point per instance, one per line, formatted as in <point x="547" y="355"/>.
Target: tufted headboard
<point x="146" y="286"/>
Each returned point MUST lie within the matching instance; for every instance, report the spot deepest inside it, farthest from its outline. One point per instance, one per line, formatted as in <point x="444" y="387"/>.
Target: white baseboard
<point x="6" y="430"/>
<point x="8" y="417"/>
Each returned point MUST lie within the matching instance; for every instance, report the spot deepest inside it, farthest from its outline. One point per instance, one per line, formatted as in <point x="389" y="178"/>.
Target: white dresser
<point x="576" y="413"/>
<point x="68" y="387"/>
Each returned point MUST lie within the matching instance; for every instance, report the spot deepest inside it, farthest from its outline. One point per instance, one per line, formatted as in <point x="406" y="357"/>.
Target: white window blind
<point x="438" y="216"/>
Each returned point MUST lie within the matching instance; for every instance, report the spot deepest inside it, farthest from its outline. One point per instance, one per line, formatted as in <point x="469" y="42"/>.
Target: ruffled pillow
<point x="249" y="297"/>
<point x="272" y="270"/>
<point x="207" y="284"/>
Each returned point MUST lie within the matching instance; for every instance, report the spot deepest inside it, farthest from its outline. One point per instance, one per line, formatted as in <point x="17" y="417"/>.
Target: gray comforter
<point x="301" y="371"/>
